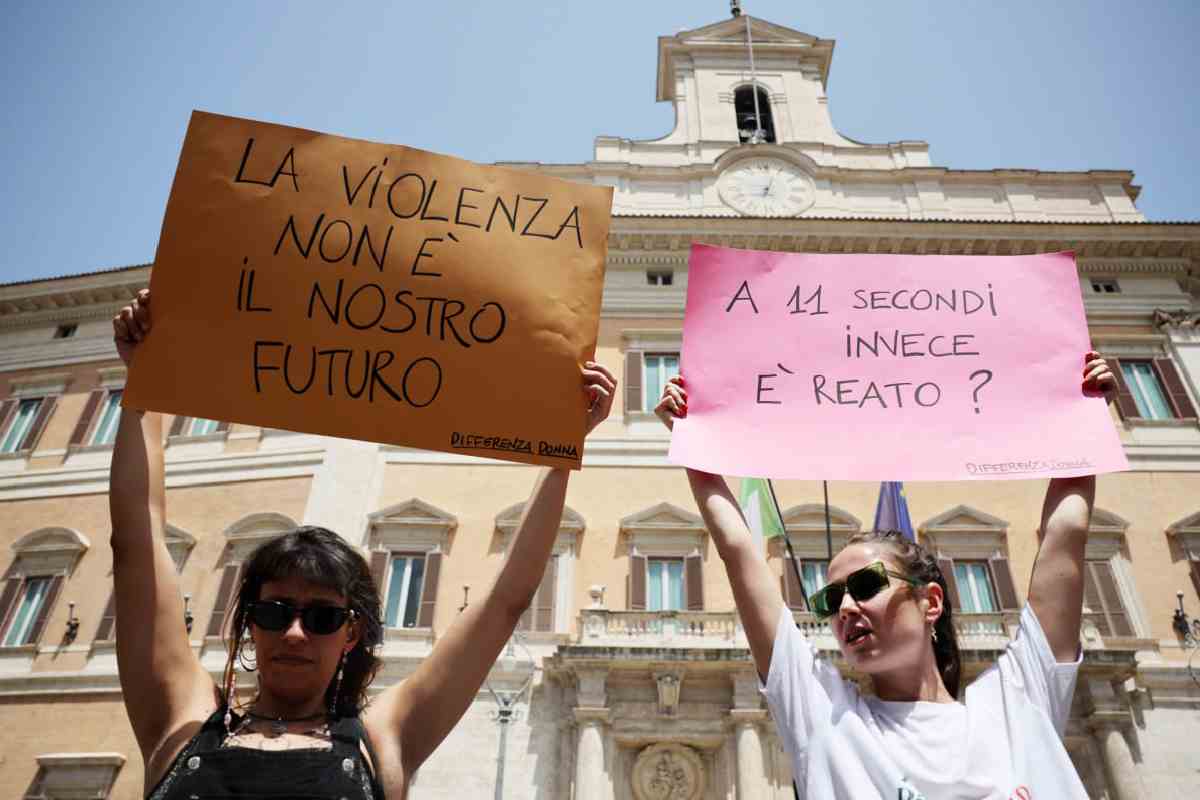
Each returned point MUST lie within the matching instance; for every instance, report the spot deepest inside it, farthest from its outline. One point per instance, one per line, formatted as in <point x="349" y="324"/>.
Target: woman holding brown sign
<point x="307" y="618"/>
<point x="919" y="737"/>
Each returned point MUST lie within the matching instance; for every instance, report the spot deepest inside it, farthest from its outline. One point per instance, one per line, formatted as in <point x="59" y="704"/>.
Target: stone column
<point x="591" y="778"/>
<point x="1124" y="783"/>
<point x="747" y="717"/>
<point x="750" y="777"/>
<point x="592" y="781"/>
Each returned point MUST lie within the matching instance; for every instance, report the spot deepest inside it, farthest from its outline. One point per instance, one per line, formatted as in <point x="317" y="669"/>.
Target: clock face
<point x="766" y="187"/>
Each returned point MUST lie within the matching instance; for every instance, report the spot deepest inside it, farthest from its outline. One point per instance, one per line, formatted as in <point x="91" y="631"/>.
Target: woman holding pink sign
<point x="921" y="736"/>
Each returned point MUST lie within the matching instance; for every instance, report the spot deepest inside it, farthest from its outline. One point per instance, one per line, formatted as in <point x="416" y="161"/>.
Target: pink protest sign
<point x="865" y="367"/>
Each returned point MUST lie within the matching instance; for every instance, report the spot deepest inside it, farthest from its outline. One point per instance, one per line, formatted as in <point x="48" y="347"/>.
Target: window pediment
<point x="252" y="530"/>
<point x="1187" y="531"/>
<point x="664" y="529"/>
<point x="179" y="545"/>
<point x="412" y="524"/>
<point x="569" y="527"/>
<point x="77" y="776"/>
<point x="965" y="532"/>
<point x="805" y="526"/>
<point x="48" y="551"/>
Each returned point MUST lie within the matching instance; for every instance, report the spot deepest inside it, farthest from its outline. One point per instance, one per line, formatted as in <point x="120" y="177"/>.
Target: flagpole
<point x="787" y="542"/>
<point x="828" y="526"/>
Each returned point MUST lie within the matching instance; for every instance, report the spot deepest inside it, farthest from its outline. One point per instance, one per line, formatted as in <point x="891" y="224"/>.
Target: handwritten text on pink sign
<point x="863" y="367"/>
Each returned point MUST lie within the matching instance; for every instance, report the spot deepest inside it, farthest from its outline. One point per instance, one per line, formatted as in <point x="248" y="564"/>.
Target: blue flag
<point x="891" y="512"/>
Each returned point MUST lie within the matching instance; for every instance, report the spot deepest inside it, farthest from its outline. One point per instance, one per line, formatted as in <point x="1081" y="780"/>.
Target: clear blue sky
<point x="96" y="96"/>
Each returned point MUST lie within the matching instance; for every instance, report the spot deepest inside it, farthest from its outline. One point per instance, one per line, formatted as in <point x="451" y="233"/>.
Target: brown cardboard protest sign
<point x="371" y="291"/>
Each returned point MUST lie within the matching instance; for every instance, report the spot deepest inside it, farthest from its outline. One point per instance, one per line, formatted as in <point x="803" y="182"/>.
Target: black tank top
<point x="204" y="770"/>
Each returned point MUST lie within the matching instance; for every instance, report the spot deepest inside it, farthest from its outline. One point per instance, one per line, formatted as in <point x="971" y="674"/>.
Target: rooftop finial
<point x="735" y="7"/>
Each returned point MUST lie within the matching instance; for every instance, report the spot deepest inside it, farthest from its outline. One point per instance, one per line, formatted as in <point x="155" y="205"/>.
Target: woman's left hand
<point x="1098" y="376"/>
<point x="600" y="387"/>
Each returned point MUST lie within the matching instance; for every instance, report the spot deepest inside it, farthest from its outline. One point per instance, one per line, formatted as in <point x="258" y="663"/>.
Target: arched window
<point x="747" y="122"/>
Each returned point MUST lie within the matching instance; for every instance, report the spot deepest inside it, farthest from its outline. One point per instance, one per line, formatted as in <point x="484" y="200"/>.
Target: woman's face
<point x="890" y="631"/>
<point x="296" y="665"/>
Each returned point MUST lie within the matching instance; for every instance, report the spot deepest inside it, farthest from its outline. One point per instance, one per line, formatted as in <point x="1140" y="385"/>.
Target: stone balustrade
<point x="722" y="629"/>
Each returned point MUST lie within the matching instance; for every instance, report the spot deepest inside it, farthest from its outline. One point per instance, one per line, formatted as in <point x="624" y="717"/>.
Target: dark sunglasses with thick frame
<point x="276" y="615"/>
<point x="862" y="585"/>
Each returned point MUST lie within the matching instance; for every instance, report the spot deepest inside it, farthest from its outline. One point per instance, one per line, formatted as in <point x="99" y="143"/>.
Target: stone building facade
<point x="630" y="677"/>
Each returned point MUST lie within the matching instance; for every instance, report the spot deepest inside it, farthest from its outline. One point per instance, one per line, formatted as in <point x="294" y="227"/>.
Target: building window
<point x="975" y="592"/>
<point x="110" y="418"/>
<point x="1105" y="286"/>
<point x="1102" y="603"/>
<point x="22" y="626"/>
<point x="20" y="426"/>
<point x="187" y="427"/>
<point x="1147" y="391"/>
<point x="657" y="369"/>
<point x="664" y="584"/>
<point x="660" y="277"/>
<point x="65" y="331"/>
<point x="404" y="590"/>
<point x="815" y="575"/>
<point x="748" y="121"/>
<point x="1151" y="388"/>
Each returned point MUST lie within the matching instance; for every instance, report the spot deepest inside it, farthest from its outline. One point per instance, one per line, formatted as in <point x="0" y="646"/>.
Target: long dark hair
<point x="919" y="564"/>
<point x="319" y="556"/>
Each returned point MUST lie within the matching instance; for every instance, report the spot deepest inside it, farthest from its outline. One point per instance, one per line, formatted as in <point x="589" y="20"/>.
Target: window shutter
<point x="1110" y="595"/>
<point x="1093" y="605"/>
<point x="85" y="420"/>
<point x="1003" y="581"/>
<point x="379" y="563"/>
<point x="222" y="426"/>
<point x="224" y="595"/>
<point x="8" y="600"/>
<point x="637" y="583"/>
<point x="6" y="410"/>
<point x="793" y="592"/>
<point x="544" y="602"/>
<point x="433" y="569"/>
<point x="1176" y="391"/>
<point x="1125" y="402"/>
<point x="108" y="620"/>
<point x="177" y="425"/>
<point x="39" y="624"/>
<point x="633" y="381"/>
<point x="39" y="422"/>
<point x="946" y="565"/>
<point x="693" y="570"/>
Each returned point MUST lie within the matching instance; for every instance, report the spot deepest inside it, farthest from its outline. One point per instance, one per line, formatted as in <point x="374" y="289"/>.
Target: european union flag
<point x="891" y="511"/>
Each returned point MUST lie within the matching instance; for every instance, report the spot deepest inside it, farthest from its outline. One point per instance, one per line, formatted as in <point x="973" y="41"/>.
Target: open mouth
<point x="858" y="635"/>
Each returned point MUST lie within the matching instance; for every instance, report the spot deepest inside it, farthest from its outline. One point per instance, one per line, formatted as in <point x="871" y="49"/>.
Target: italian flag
<point x="757" y="499"/>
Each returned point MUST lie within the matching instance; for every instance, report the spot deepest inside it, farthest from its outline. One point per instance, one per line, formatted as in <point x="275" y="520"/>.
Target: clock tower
<point x="753" y="139"/>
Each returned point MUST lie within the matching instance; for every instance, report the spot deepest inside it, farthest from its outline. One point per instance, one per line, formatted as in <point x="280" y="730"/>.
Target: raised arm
<point x="1056" y="588"/>
<point x="161" y="679"/>
<point x="755" y="587"/>
<point x="416" y="715"/>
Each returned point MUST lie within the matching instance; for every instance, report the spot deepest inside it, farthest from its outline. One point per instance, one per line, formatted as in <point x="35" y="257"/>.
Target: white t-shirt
<point x="1003" y="743"/>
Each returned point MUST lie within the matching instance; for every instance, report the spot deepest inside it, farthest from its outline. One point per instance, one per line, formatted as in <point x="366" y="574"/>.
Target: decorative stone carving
<point x="669" y="686"/>
<point x="668" y="772"/>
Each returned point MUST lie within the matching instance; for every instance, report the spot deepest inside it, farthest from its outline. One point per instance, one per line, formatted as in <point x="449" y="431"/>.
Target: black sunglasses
<point x="276" y="615"/>
<point x="862" y="585"/>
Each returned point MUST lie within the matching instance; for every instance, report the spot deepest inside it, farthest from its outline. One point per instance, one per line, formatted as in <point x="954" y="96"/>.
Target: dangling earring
<point x="337" y="686"/>
<point x="229" y="681"/>
<point x="934" y="635"/>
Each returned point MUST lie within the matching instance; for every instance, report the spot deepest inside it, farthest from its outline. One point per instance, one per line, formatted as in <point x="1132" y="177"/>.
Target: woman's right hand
<point x="673" y="403"/>
<point x="131" y="325"/>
